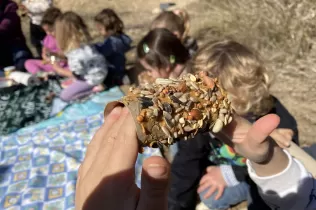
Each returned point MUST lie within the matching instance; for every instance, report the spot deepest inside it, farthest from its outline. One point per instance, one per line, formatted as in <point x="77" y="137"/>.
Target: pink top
<point x="50" y="43"/>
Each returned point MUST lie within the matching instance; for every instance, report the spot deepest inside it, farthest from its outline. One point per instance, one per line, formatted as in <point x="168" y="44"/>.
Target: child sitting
<point x="85" y="63"/>
<point x="178" y="22"/>
<point x="206" y="161"/>
<point x="115" y="45"/>
<point x="284" y="183"/>
<point x="49" y="44"/>
<point x="162" y="54"/>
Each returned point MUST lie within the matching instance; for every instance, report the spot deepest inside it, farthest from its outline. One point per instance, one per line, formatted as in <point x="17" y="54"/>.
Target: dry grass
<point x="282" y="31"/>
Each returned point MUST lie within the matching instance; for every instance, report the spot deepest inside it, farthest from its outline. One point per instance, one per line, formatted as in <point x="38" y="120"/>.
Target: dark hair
<point x="160" y="48"/>
<point x="50" y="16"/>
<point x="174" y="22"/>
<point x="110" y="21"/>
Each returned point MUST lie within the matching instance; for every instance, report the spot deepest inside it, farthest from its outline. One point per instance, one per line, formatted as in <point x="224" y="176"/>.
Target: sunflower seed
<point x="167" y="115"/>
<point x="193" y="99"/>
<point x="221" y="117"/>
<point x="170" y="140"/>
<point x="230" y="119"/>
<point x="175" y="99"/>
<point x="175" y="135"/>
<point x="178" y="94"/>
<point x="167" y="107"/>
<point x="194" y="86"/>
<point x="164" y="141"/>
<point x="161" y="81"/>
<point x="177" y="117"/>
<point x="217" y="126"/>
<point x="223" y="111"/>
<point x="207" y="97"/>
<point x="225" y="104"/>
<point x="189" y="105"/>
<point x="183" y="100"/>
<point x="188" y="128"/>
<point x="145" y="92"/>
<point x="166" y="131"/>
<point x="181" y="129"/>
<point x="226" y="119"/>
<point x="179" y="109"/>
<point x="192" y="78"/>
<point x="213" y="99"/>
<point x="182" y="120"/>
<point x="213" y="109"/>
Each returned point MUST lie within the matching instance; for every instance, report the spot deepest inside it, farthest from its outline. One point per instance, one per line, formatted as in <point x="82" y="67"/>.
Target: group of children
<point x="68" y="51"/>
<point x="204" y="166"/>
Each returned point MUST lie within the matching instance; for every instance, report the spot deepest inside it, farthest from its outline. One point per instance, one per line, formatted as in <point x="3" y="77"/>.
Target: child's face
<point x="155" y="72"/>
<point x="101" y="29"/>
<point x="48" y="30"/>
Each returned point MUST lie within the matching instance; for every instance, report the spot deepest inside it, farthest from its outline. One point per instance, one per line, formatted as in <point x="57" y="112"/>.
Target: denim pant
<point x="231" y="196"/>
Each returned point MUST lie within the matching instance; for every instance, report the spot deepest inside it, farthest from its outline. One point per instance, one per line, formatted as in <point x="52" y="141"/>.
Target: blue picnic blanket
<point x="38" y="165"/>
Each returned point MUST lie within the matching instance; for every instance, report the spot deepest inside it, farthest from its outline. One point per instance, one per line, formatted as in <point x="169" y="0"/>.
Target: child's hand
<point x="214" y="181"/>
<point x="251" y="141"/>
<point x="283" y="137"/>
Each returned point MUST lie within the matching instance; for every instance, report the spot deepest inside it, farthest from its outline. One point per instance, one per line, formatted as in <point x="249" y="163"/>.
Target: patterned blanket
<point x="38" y="165"/>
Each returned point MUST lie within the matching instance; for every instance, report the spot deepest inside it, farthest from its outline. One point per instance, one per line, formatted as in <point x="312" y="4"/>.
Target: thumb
<point x="155" y="184"/>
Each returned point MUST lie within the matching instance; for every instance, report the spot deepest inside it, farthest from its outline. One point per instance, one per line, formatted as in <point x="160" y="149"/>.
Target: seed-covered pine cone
<point x="174" y="109"/>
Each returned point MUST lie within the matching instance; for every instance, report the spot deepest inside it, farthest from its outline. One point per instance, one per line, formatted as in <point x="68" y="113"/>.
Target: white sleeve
<point x="292" y="189"/>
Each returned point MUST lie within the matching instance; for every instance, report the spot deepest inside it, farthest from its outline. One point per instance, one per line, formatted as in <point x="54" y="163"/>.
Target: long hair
<point x="71" y="32"/>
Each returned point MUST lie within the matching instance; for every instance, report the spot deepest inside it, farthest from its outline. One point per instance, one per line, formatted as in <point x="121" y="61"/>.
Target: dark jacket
<point x="10" y="23"/>
<point x="113" y="49"/>
<point x="191" y="161"/>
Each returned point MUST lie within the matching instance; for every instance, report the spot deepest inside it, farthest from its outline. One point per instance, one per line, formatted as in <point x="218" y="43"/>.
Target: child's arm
<point x="44" y="54"/>
<point x="284" y="183"/>
<point x="62" y="71"/>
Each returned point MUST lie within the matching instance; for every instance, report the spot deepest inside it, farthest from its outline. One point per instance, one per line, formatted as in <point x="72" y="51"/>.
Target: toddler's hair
<point x="50" y="16"/>
<point x="161" y="49"/>
<point x="175" y="21"/>
<point x="110" y="21"/>
<point x="240" y="72"/>
<point x="71" y="32"/>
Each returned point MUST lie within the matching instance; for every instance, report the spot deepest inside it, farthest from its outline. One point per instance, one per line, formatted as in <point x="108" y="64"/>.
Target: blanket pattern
<point x="38" y="168"/>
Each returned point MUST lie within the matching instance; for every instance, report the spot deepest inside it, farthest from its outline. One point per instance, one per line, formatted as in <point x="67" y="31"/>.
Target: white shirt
<point x="292" y="189"/>
<point x="37" y="8"/>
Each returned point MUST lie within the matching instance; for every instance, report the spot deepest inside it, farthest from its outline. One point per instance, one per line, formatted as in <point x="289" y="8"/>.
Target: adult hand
<point x="214" y="181"/>
<point x="251" y="141"/>
<point x="106" y="178"/>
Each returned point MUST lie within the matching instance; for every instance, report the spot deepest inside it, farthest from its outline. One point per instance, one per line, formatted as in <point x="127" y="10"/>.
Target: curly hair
<point x="241" y="73"/>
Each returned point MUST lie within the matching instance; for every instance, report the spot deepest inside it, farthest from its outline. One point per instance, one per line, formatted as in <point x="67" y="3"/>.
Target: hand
<point x="213" y="180"/>
<point x="283" y="137"/>
<point x="255" y="143"/>
<point x="106" y="176"/>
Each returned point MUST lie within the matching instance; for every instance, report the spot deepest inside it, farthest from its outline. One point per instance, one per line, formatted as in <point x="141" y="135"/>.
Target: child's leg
<point x="34" y="66"/>
<point x="231" y="196"/>
<point x="76" y="90"/>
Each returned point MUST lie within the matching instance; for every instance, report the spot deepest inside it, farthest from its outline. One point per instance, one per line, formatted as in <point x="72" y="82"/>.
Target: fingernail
<point x="117" y="110"/>
<point x="156" y="170"/>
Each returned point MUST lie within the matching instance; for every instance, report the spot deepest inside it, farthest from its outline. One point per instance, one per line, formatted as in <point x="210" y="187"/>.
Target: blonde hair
<point x="175" y="21"/>
<point x="71" y="32"/>
<point x="240" y="72"/>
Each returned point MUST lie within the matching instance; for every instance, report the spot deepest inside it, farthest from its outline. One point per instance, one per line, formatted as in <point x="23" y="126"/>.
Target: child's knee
<point x="65" y="96"/>
<point x="30" y="66"/>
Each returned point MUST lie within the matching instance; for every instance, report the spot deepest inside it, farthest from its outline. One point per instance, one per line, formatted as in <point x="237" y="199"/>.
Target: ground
<point x="282" y="31"/>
